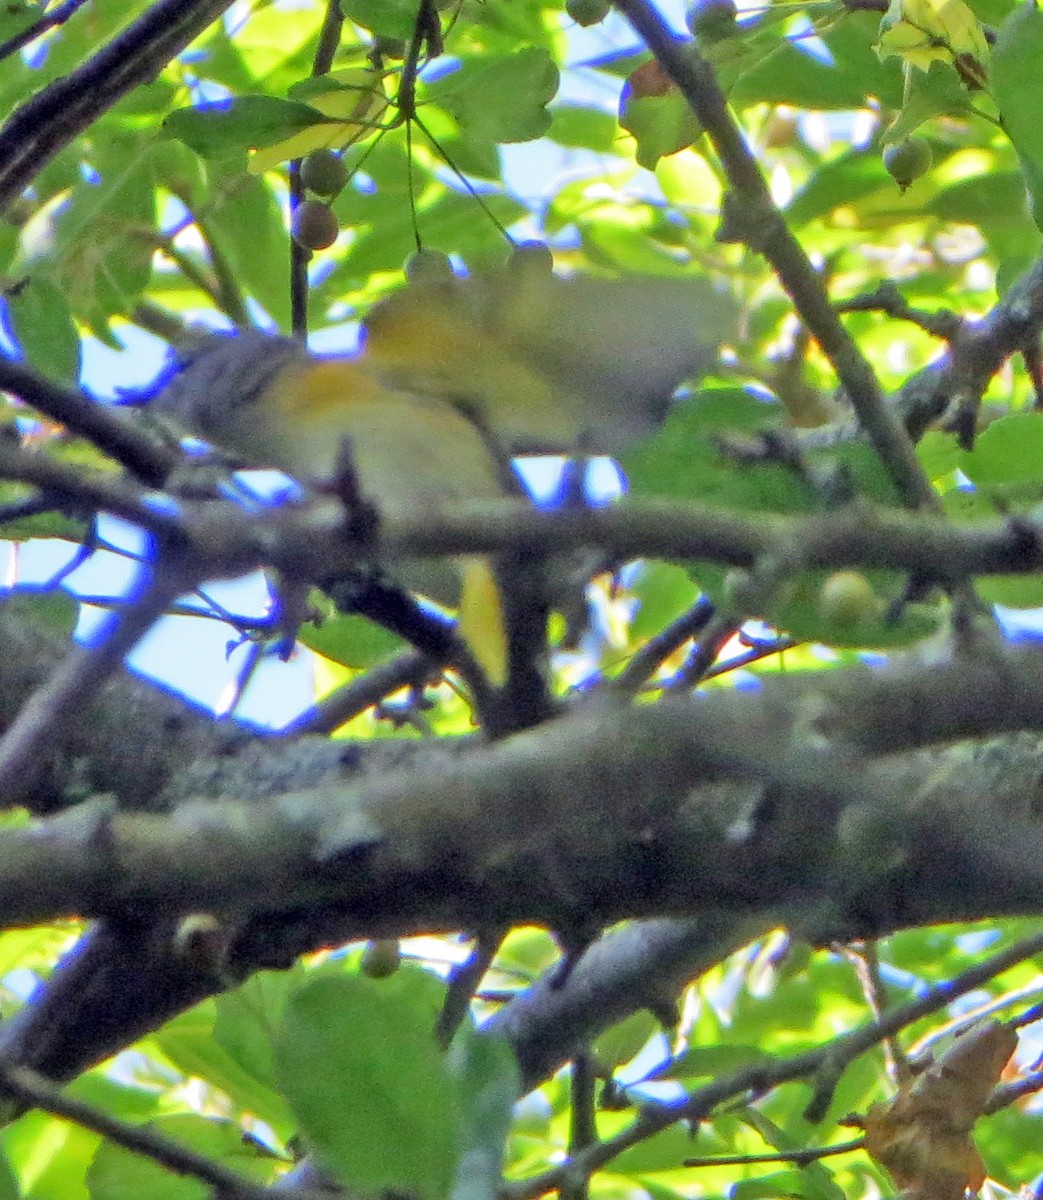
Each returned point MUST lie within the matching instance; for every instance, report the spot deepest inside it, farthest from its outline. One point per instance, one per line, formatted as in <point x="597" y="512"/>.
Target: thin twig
<point x="465" y="980"/>
<point x="353" y="698"/>
<point x="717" y="635"/>
<point x="755" y="654"/>
<point x="36" y="1091"/>
<point x="300" y="256"/>
<point x="799" y="1158"/>
<point x="57" y="16"/>
<point x="647" y="661"/>
<point x="107" y="429"/>
<point x="582" y="1123"/>
<point x="823" y="1064"/>
<point x="91" y="491"/>
<point x="865" y="958"/>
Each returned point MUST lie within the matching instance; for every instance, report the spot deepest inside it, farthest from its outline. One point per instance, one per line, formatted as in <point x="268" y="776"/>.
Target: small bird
<point x="455" y="377"/>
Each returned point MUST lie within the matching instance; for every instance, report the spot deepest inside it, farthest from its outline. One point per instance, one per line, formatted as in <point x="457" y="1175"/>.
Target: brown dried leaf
<point x="923" y="1136"/>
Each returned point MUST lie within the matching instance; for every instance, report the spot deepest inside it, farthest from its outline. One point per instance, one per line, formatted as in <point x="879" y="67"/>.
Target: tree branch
<point x="109" y="430"/>
<point x="51" y="119"/>
<point x="750" y="215"/>
<point x="35" y="1091"/>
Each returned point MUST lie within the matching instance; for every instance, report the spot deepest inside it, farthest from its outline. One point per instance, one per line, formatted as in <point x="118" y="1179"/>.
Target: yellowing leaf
<point x="355" y="96"/>
<point x="924" y="31"/>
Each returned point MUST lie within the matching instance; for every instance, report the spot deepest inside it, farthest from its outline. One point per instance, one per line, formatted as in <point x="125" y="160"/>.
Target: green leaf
<point x="9" y="1189"/>
<point x="134" y="1104"/>
<point x="701" y="1062"/>
<point x="660" y="125"/>
<point x="1012" y="591"/>
<point x="815" y="1180"/>
<point x="50" y="1157"/>
<point x="39" y="320"/>
<point x="684" y="460"/>
<point x="488" y="1083"/>
<point x="938" y="453"/>
<point x="1017" y="87"/>
<point x="246" y="1019"/>
<point x="1007" y="451"/>
<point x="359" y="1065"/>
<point x="799" y="612"/>
<point x="104" y="235"/>
<point x="474" y="156"/>
<point x="15" y="17"/>
<point x="53" y="609"/>
<point x="178" y="169"/>
<point x="972" y="507"/>
<point x="350" y="640"/>
<point x="997" y="198"/>
<point x="189" y="1043"/>
<point x="246" y="225"/>
<point x="385" y="18"/>
<point x="850" y="43"/>
<point x="770" y="1186"/>
<point x="664" y="592"/>
<point x="244" y="124"/>
<point x="932" y="93"/>
<point x="448" y="222"/>
<point x="503" y="99"/>
<point x="791" y="75"/>
<point x="119" y="1174"/>
<point x="844" y="180"/>
<point x="664" y="1151"/>
<point x="585" y="128"/>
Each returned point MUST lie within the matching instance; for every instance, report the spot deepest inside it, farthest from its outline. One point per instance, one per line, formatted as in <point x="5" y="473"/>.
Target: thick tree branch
<point x="954" y="836"/>
<point x="312" y="542"/>
<point x="605" y="796"/>
<point x="60" y="701"/>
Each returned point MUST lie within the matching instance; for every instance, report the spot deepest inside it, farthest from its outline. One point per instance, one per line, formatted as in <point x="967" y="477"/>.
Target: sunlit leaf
<point x="358" y="1062"/>
<point x="1017" y="86"/>
<point x="354" y="101"/>
<point x="504" y="99"/>
<point x="655" y="113"/>
<point x="245" y="123"/>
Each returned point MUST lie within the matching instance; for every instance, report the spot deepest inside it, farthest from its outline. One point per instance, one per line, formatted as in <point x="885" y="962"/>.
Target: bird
<point x="456" y="375"/>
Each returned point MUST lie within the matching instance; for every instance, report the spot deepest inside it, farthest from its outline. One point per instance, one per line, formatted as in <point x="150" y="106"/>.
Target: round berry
<point x="907" y="160"/>
<point x="314" y="225"/>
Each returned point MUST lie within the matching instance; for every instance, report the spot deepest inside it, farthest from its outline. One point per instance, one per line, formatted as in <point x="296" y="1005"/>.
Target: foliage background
<point x="143" y="165"/>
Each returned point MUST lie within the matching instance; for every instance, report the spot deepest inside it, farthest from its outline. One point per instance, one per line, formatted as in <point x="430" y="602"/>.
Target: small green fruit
<point x="429" y="266"/>
<point x="847" y="599"/>
<point x="907" y="160"/>
<point x="531" y="258"/>
<point x="389" y="47"/>
<point x="712" y="20"/>
<point x="324" y="173"/>
<point x="381" y="958"/>
<point x="587" y="12"/>
<point x="314" y="225"/>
